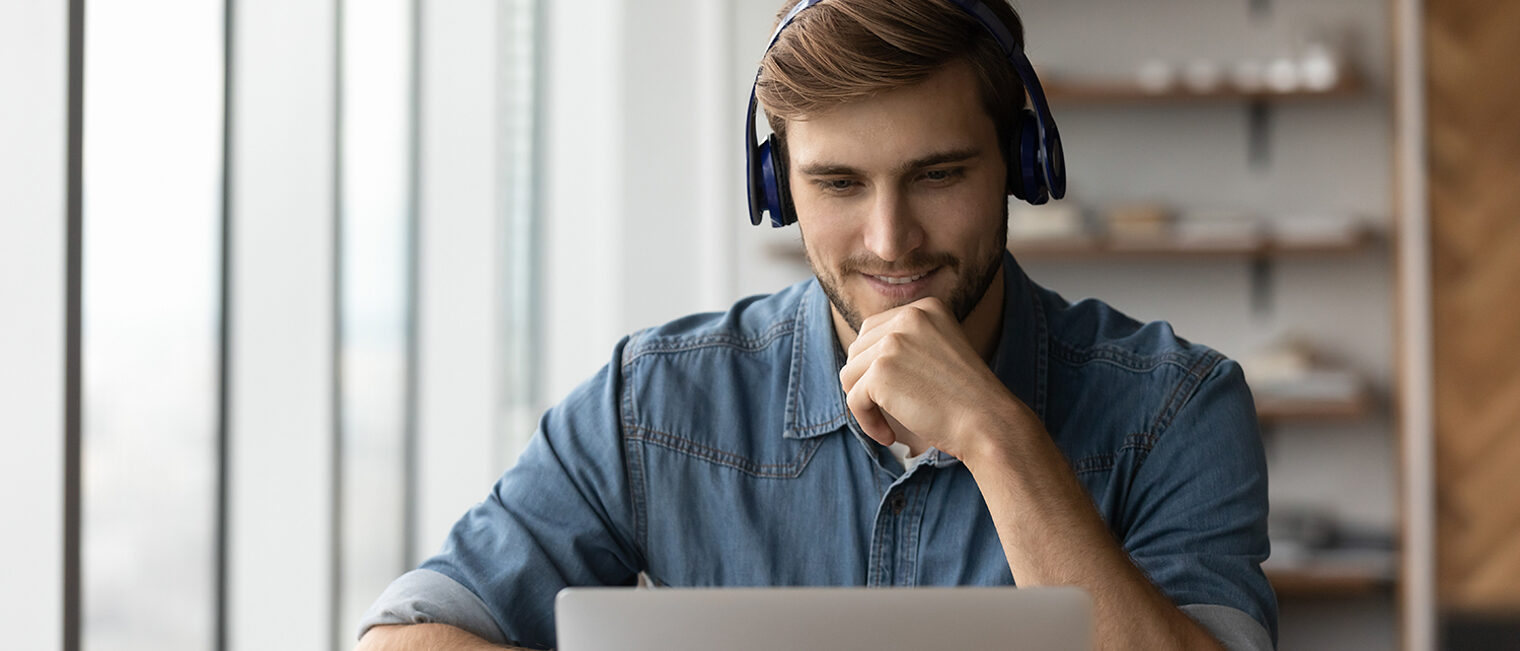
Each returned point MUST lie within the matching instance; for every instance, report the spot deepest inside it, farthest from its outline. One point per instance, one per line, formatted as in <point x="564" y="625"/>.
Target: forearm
<point x="1052" y="535"/>
<point x="422" y="636"/>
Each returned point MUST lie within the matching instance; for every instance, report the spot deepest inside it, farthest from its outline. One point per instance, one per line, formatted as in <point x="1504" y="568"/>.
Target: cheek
<point x="827" y="240"/>
<point x="819" y="250"/>
<point x="962" y="225"/>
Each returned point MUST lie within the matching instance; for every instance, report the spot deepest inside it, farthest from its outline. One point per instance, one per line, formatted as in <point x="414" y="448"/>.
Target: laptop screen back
<point x="836" y="619"/>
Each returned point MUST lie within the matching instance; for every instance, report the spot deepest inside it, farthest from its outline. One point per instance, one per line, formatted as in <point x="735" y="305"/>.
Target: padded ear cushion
<point x="1056" y="161"/>
<point x="1027" y="175"/>
<point x="773" y="185"/>
<point x="1014" y="157"/>
<point x="783" y="184"/>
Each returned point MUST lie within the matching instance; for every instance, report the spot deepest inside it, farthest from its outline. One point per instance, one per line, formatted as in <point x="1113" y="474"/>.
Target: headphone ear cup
<point x="773" y="184"/>
<point x="1026" y="176"/>
<point x="1014" y="157"/>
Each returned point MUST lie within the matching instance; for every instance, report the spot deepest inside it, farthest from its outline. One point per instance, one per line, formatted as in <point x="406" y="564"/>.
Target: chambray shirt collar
<point x="815" y="403"/>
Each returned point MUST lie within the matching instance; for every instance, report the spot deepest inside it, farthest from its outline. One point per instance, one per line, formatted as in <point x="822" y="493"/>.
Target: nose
<point x="891" y="230"/>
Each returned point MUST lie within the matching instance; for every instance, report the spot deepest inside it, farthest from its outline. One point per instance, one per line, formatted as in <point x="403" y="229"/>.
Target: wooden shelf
<point x="1071" y="91"/>
<point x="1324" y="582"/>
<point x="1166" y="247"/>
<point x="1270" y="410"/>
<point x="1334" y="572"/>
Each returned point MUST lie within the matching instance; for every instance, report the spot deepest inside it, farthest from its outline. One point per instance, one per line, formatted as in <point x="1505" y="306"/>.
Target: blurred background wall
<point x="333" y="259"/>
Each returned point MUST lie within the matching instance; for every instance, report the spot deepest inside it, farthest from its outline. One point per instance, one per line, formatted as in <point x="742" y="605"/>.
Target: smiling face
<point x="901" y="197"/>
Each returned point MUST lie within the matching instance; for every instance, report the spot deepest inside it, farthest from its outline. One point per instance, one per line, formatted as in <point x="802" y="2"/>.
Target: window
<point x="152" y="194"/>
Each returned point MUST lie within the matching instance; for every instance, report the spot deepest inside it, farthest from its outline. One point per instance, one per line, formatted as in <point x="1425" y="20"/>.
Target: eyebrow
<point x="937" y="158"/>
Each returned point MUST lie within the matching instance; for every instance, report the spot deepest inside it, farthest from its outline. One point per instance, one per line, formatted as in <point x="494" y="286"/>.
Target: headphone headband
<point x="1047" y="180"/>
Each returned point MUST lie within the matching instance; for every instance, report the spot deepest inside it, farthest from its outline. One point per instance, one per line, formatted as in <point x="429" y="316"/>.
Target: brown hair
<point x="840" y="51"/>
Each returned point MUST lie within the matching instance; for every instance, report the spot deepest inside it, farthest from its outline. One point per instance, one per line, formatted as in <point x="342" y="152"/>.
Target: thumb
<point x="873" y="421"/>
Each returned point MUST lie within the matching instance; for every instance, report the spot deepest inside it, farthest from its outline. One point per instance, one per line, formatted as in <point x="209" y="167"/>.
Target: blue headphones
<point x="1037" y="173"/>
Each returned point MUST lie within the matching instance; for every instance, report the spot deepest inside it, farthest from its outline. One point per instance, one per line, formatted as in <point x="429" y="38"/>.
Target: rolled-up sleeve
<point x="1234" y="629"/>
<point x="427" y="597"/>
<point x="1198" y="511"/>
<point x="562" y="516"/>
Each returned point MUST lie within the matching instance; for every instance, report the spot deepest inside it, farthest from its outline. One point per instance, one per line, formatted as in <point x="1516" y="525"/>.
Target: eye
<point x="836" y="186"/>
<point x="940" y="176"/>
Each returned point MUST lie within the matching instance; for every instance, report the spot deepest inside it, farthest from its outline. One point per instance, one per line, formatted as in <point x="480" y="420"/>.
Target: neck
<point x="983" y="326"/>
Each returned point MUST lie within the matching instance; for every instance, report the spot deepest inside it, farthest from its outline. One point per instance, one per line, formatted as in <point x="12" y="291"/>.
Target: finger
<point x="872" y="322"/>
<point x="854" y="367"/>
<point x="865" y="340"/>
<point x="872" y="420"/>
<point x="889" y="347"/>
<point x="882" y="318"/>
<point x="905" y="319"/>
<point x="934" y="317"/>
<point x="938" y="313"/>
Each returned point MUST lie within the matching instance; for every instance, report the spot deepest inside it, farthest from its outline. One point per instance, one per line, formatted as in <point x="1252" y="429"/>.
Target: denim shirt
<point x="716" y="450"/>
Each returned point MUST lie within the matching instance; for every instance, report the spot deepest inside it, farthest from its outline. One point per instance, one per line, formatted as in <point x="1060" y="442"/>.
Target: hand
<point x="913" y="376"/>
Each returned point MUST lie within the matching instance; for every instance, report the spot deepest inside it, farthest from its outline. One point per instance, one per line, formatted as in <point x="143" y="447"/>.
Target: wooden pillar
<point x="1473" y="103"/>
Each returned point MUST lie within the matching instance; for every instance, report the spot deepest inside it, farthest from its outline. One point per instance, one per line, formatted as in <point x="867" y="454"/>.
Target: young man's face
<point x="901" y="197"/>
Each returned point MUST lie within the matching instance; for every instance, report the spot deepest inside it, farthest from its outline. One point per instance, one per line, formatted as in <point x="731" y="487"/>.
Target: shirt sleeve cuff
<point x="1234" y="629"/>
<point x="428" y="597"/>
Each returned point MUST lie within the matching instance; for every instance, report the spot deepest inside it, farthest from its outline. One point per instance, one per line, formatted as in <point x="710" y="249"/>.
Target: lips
<point x="900" y="289"/>
<point x="899" y="280"/>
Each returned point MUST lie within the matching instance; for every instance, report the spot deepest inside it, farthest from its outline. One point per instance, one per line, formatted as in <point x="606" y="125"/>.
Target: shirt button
<point x="898" y="502"/>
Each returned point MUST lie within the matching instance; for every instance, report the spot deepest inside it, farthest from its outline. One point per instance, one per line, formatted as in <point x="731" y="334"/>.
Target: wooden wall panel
<point x="1473" y="94"/>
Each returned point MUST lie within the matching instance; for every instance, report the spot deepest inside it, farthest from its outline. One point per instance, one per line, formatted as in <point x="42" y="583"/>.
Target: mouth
<point x="901" y="288"/>
<point x="900" y="280"/>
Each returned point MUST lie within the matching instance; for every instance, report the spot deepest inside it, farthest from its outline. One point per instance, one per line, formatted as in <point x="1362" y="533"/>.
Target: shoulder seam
<point x="1185" y="389"/>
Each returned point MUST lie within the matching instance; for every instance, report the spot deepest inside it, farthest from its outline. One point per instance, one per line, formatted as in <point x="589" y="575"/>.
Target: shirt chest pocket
<point x="779" y="459"/>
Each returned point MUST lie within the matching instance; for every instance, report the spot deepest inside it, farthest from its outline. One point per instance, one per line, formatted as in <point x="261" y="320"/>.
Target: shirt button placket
<point x="884" y="541"/>
<point x="902" y="540"/>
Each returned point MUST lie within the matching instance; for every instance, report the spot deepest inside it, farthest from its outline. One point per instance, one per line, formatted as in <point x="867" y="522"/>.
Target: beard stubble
<point x="971" y="284"/>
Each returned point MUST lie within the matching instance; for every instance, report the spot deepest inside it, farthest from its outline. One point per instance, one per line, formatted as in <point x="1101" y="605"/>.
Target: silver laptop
<point x="836" y="619"/>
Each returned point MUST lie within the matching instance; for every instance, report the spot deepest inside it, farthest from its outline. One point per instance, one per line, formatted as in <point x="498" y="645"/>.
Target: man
<point x="921" y="413"/>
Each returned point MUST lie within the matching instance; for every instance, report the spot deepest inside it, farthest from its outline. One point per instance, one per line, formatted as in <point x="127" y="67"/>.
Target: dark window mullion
<point x="224" y="332"/>
<point x="73" y="405"/>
